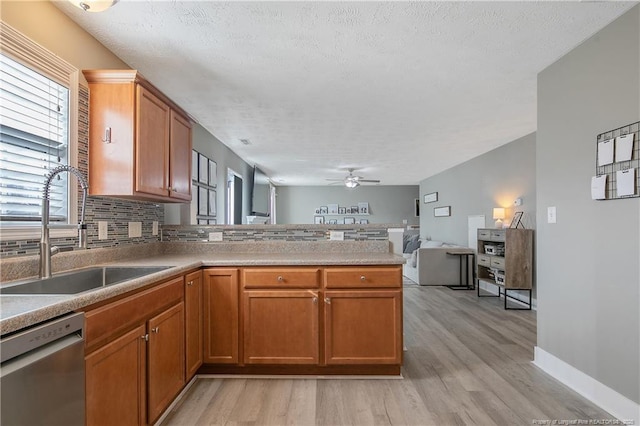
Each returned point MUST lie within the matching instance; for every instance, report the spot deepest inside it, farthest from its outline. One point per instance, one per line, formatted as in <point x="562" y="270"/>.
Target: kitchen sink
<point x="79" y="281"/>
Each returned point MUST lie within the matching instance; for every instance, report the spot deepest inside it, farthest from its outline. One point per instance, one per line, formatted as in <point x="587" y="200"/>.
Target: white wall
<point x="387" y="204"/>
<point x="494" y="179"/>
<point x="588" y="262"/>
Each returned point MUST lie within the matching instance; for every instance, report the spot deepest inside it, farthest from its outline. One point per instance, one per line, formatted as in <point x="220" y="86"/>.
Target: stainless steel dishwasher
<point x="42" y="374"/>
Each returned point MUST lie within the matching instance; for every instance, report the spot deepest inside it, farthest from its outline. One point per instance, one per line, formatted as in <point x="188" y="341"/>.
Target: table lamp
<point x="498" y="215"/>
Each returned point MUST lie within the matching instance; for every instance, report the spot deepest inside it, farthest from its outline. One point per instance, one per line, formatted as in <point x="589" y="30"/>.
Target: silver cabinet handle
<point x="280" y="278"/>
<point x="314" y="300"/>
<point x="362" y="278"/>
<point x="327" y="300"/>
<point x="145" y="337"/>
<point x="190" y="283"/>
<point x="155" y="330"/>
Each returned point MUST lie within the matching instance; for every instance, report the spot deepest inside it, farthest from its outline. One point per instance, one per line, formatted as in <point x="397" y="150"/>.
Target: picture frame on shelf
<point x="349" y="220"/>
<point x="212" y="205"/>
<point x="517" y="220"/>
<point x="364" y="221"/>
<point x="194" y="165"/>
<point x="363" y="208"/>
<point x="442" y="211"/>
<point x="203" y="201"/>
<point x="318" y="220"/>
<point x="355" y="210"/>
<point x="342" y="210"/>
<point x="333" y="208"/>
<point x="324" y="210"/>
<point x="203" y="169"/>
<point x="332" y="221"/>
<point x="317" y="210"/>
<point x="431" y="197"/>
<point x="213" y="174"/>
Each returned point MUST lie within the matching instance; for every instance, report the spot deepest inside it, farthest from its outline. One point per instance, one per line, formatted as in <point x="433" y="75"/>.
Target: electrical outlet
<point x="135" y="229"/>
<point x="215" y="236"/>
<point x="336" y="235"/>
<point x="551" y="215"/>
<point x="154" y="228"/>
<point x="103" y="230"/>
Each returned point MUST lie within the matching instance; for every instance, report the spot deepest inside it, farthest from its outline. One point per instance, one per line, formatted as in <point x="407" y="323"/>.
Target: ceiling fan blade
<point x="369" y="180"/>
<point x="335" y="180"/>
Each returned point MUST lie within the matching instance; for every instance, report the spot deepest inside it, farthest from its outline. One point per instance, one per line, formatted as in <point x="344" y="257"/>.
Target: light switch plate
<point x="154" y="227"/>
<point x="135" y="229"/>
<point x="215" y="236"/>
<point x="517" y="202"/>
<point x="103" y="230"/>
<point x="551" y="215"/>
<point x="336" y="235"/>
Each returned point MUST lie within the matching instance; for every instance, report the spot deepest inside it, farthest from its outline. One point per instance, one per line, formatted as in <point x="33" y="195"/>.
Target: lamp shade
<point x="498" y="213"/>
<point x="93" y="5"/>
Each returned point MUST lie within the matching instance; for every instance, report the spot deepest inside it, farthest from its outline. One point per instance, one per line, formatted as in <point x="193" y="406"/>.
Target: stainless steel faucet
<point x="45" y="251"/>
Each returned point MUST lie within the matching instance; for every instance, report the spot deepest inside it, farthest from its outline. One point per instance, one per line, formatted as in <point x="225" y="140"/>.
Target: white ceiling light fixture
<point x="351" y="182"/>
<point x="94" y="5"/>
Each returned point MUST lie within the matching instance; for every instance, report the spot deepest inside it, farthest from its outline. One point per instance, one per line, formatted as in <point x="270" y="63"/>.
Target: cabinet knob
<point x="362" y="278"/>
<point x="155" y="330"/>
<point x="190" y="283"/>
<point x="314" y="300"/>
<point x="145" y="337"/>
<point x="327" y="300"/>
<point x="280" y="278"/>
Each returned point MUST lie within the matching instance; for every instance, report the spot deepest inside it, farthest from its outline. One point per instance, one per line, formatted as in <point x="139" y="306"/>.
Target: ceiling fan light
<point x="351" y="183"/>
<point x="93" y="5"/>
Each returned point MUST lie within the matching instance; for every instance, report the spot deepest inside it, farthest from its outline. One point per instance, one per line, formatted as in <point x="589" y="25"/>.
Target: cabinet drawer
<point x="484" y="260"/>
<point x="281" y="277"/>
<point x="484" y="234"/>
<point x="109" y="321"/>
<point x="498" y="235"/>
<point x="360" y="277"/>
<point x="497" y="262"/>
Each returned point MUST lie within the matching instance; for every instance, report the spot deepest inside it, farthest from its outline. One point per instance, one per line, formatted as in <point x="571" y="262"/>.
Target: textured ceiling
<point x="397" y="90"/>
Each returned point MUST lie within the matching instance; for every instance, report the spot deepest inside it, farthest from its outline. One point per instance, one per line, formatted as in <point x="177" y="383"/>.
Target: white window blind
<point x="34" y="138"/>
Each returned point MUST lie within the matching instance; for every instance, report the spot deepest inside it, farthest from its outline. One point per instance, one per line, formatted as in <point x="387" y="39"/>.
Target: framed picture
<point x="203" y="169"/>
<point x="324" y="210"/>
<point x="517" y="220"/>
<point x="354" y="210"/>
<point x="194" y="165"/>
<point x="213" y="173"/>
<point x="333" y="208"/>
<point x="342" y="210"/>
<point x="363" y="208"/>
<point x="442" y="211"/>
<point x="318" y="220"/>
<point x="364" y="221"/>
<point x="212" y="203"/>
<point x="203" y="201"/>
<point x="431" y="197"/>
<point x="349" y="220"/>
<point x="317" y="210"/>
<point x="416" y="207"/>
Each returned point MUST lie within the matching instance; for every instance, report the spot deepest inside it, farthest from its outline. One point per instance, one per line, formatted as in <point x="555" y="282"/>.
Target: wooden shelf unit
<point x="508" y="270"/>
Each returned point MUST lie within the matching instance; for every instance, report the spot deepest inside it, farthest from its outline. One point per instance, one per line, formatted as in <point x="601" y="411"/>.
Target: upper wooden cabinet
<point x="139" y="140"/>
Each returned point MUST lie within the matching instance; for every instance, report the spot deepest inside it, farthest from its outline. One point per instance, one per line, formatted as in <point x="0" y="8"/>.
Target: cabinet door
<point x="180" y="157"/>
<point x="115" y="381"/>
<point x="363" y="327"/>
<point x="152" y="143"/>
<point x="193" y="323"/>
<point x="221" y="316"/>
<point x="165" y="359"/>
<point x="280" y="327"/>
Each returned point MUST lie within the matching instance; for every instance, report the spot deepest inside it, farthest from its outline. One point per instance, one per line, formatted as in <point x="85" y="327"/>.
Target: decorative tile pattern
<point x="117" y="212"/>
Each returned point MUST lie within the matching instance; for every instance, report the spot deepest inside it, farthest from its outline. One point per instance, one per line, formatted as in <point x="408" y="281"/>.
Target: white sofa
<point x="431" y="265"/>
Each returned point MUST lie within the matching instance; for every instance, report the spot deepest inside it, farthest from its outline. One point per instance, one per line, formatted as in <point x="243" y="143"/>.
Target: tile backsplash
<point x="118" y="213"/>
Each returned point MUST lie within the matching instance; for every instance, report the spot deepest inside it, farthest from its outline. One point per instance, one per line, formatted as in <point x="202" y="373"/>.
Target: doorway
<point x="234" y="198"/>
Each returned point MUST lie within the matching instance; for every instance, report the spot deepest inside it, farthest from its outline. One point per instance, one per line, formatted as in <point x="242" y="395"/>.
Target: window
<point x="38" y="132"/>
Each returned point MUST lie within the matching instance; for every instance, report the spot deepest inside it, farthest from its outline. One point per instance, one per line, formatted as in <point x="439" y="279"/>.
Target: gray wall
<point x="494" y="179"/>
<point x="387" y="204"/>
<point x="588" y="277"/>
<point x="207" y="144"/>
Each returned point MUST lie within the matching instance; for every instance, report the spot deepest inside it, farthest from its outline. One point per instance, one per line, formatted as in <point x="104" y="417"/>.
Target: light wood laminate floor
<point x="468" y="362"/>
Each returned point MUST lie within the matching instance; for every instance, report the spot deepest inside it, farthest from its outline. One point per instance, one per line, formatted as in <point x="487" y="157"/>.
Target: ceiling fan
<point x="352" y="181"/>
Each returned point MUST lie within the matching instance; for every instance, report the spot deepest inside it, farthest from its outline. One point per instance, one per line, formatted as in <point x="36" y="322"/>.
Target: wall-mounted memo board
<point x="612" y="161"/>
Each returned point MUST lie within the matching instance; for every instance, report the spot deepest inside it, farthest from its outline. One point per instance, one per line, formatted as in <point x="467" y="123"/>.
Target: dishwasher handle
<point x="40" y="335"/>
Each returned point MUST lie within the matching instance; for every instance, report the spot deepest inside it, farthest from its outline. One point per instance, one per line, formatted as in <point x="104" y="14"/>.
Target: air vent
<point x="245" y="141"/>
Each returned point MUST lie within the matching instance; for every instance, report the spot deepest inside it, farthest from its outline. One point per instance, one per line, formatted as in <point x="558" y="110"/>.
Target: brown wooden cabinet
<point x="280" y="327"/>
<point x="165" y="369"/>
<point x="221" y="316"/>
<point x="193" y="323"/>
<point x="139" y="140"/>
<point x="133" y="341"/>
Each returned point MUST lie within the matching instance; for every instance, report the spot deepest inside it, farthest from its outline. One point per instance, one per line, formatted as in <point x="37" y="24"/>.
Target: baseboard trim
<point x="603" y="396"/>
